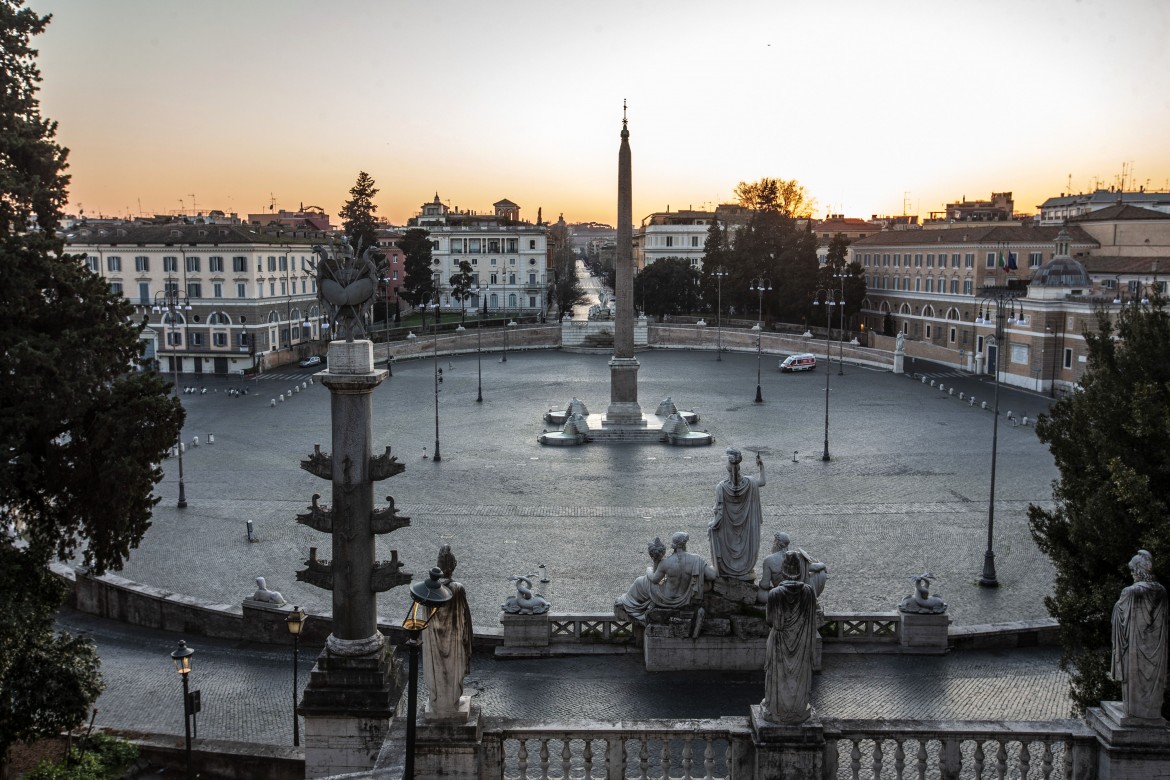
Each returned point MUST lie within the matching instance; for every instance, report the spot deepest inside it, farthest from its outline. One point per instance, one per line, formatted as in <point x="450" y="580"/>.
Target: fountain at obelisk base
<point x="356" y="684"/>
<point x="623" y="420"/>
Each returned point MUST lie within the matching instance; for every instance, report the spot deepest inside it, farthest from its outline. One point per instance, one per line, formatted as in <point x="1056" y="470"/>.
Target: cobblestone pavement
<point x="906" y="490"/>
<point x="246" y="689"/>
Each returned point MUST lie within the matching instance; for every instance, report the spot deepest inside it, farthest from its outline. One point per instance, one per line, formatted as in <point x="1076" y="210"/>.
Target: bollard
<point x="281" y="397"/>
<point x="424" y="457"/>
<point x="211" y="438"/>
<point x="983" y="405"/>
<point x="543" y="573"/>
<point x="182" y="447"/>
<point x="941" y="389"/>
<point x="794" y="455"/>
<point x="971" y="401"/>
<point x="1024" y="422"/>
<point x="951" y="391"/>
<point x="251" y="536"/>
<point x="310" y="380"/>
<point x="195" y="441"/>
<point x="174" y="452"/>
<point x="272" y="402"/>
<point x="923" y="380"/>
<point x="296" y="389"/>
<point x="305" y="385"/>
<point x="960" y="396"/>
<point x="932" y="383"/>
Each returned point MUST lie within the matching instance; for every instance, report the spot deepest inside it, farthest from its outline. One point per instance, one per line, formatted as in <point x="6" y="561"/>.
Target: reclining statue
<point x="673" y="581"/>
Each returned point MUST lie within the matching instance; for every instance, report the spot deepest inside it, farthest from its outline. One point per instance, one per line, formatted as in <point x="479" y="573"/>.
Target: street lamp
<point x="426" y="597"/>
<point x="437" y="457"/>
<point x="182" y="660"/>
<point x="171" y="301"/>
<point x="841" y="351"/>
<point x="1005" y="307"/>
<point x="511" y="324"/>
<point x="719" y="314"/>
<point x="479" y="349"/>
<point x="759" y="284"/>
<point x="295" y="622"/>
<point x="828" y="302"/>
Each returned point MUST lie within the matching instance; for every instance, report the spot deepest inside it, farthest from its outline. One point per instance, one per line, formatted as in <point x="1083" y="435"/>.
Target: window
<point x="272" y="289"/>
<point x="670" y="240"/>
<point x="885" y="259"/>
<point x="990" y="262"/>
<point x="897" y="260"/>
<point x="918" y="260"/>
<point x="192" y="265"/>
<point x="219" y="339"/>
<point x="144" y="293"/>
<point x="917" y="284"/>
<point x="175" y="338"/>
<point x="532" y="278"/>
<point x="494" y="279"/>
<point x="171" y="288"/>
<point x="240" y="265"/>
<point x="929" y="284"/>
<point x="92" y="262"/>
<point x="435" y="245"/>
<point x="511" y="245"/>
<point x="171" y="264"/>
<point x="284" y="262"/>
<point x="194" y="290"/>
<point x="473" y="245"/>
<point x="968" y="260"/>
<point x="930" y="261"/>
<point x="928" y="330"/>
<point x="114" y="264"/>
<point x="196" y="339"/>
<point x="954" y="261"/>
<point x="283" y="287"/>
<point x="954" y="285"/>
<point x="272" y="264"/>
<point x="951" y="337"/>
<point x="1035" y="259"/>
<point x="694" y="241"/>
<point x="215" y="265"/>
<point x="493" y="261"/>
<point x="241" y="290"/>
<point x="217" y="290"/>
<point x="116" y="288"/>
<point x="141" y="264"/>
<point x="866" y="263"/>
<point x="1068" y="357"/>
<point x="968" y="289"/>
<point x="218" y="318"/>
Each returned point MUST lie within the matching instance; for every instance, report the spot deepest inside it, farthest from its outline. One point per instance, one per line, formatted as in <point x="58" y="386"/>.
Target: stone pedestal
<point x="623" y="393"/>
<point x="899" y="359"/>
<point x="348" y="708"/>
<point x="1129" y="748"/>
<point x="664" y="652"/>
<point x="521" y="631"/>
<point x="926" y="634"/>
<point x="450" y="747"/>
<point x="786" y="752"/>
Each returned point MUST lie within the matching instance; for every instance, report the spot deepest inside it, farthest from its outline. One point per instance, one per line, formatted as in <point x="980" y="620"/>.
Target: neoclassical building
<point x="942" y="289"/>
<point x="248" y="296"/>
<point x="508" y="256"/>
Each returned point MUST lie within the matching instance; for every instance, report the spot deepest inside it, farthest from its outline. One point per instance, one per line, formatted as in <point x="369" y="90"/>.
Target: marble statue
<point x="734" y="531"/>
<point x="264" y="594"/>
<point x="671" y="581"/>
<point x="525" y="602"/>
<point x="900" y="344"/>
<point x="920" y="601"/>
<point x="446" y="647"/>
<point x="1139" y="641"/>
<point x="792" y="610"/>
<point x="812" y="572"/>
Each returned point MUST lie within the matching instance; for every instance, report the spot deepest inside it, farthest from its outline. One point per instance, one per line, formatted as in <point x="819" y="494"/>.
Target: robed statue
<point x="792" y="612"/>
<point x="734" y="529"/>
<point x="446" y="646"/>
<point x="671" y="582"/>
<point x="1139" y="642"/>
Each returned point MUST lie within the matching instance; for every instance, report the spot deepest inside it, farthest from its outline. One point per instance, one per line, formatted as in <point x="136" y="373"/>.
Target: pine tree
<point x="418" y="284"/>
<point x="82" y="432"/>
<point x="1111" y="443"/>
<point x="357" y="215"/>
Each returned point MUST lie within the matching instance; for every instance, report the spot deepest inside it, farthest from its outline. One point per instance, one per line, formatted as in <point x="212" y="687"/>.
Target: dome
<point x="1061" y="272"/>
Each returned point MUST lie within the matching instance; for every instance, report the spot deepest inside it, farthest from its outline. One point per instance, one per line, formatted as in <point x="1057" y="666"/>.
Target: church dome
<point x="1061" y="272"/>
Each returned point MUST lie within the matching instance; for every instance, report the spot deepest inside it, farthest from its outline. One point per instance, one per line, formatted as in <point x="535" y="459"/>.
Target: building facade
<point x="680" y="234"/>
<point x="508" y="257"/>
<point x="1056" y="211"/>
<point x="247" y="295"/>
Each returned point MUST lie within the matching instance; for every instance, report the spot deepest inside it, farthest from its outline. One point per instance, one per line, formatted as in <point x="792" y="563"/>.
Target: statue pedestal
<point x="924" y="633"/>
<point x="899" y="359"/>
<point x="662" y="651"/>
<point x="1128" y="748"/>
<point x="449" y="747"/>
<point x="787" y="752"/>
<point x="523" y="632"/>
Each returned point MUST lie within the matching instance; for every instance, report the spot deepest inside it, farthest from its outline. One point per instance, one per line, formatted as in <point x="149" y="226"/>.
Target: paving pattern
<point x="906" y="491"/>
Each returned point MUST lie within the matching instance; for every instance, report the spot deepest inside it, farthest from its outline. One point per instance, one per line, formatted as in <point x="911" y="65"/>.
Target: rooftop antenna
<point x="194" y="210"/>
<point x="1069" y="188"/>
<point x="905" y="200"/>
<point x="271" y="202"/>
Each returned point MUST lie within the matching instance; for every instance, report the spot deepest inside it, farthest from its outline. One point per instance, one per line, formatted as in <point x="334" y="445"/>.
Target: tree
<point x="1111" y="444"/>
<point x="357" y="215"/>
<point x="715" y="255"/>
<point x="81" y="431"/>
<point x="418" y="284"/>
<point x="787" y="196"/>
<point x="461" y="286"/>
<point x="836" y="273"/>
<point x="565" y="290"/>
<point x="667" y="286"/>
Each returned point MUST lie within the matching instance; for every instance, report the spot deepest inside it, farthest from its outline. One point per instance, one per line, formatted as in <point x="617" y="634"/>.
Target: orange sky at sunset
<point x="170" y="105"/>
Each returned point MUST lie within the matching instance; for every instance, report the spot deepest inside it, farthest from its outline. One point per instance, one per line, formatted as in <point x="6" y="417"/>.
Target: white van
<point x="802" y="362"/>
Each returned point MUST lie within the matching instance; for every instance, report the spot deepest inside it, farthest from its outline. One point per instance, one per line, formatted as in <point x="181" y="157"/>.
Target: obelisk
<point x="623" y="366"/>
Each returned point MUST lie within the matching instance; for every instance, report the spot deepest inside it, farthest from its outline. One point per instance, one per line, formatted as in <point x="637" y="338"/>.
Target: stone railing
<point x="519" y="750"/>
<point x="728" y="748"/>
<point x="959" y="749"/>
<point x="590" y="627"/>
<point x="851" y="627"/>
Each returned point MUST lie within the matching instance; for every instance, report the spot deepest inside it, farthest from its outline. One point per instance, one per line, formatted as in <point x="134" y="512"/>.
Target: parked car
<point x="803" y="362"/>
<point x="312" y="360"/>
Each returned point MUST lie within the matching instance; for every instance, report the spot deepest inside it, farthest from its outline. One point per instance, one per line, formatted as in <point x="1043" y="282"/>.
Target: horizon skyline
<point x="240" y="109"/>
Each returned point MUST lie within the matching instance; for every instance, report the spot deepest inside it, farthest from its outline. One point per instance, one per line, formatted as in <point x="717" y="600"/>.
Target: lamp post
<point x="479" y="351"/>
<point x="759" y="284"/>
<point x="1004" y="306"/>
<point x="182" y="660"/>
<point x="437" y="458"/>
<point x="426" y="596"/>
<point x="511" y="324"/>
<point x="295" y="621"/>
<point x="171" y="302"/>
<point x="828" y="303"/>
<point x="719" y="313"/>
<point x="841" y="351"/>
